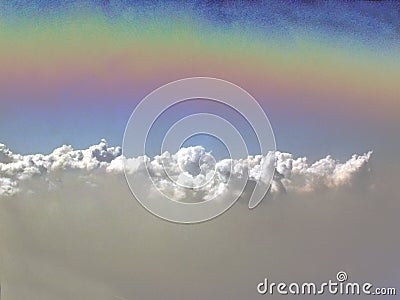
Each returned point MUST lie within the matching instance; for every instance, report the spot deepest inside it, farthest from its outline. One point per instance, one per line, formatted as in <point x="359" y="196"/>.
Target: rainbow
<point x="117" y="55"/>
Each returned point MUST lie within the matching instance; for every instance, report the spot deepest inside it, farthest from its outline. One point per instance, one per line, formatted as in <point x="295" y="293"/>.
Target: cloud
<point x="190" y="167"/>
<point x="297" y="174"/>
<point x="73" y="231"/>
<point x="8" y="187"/>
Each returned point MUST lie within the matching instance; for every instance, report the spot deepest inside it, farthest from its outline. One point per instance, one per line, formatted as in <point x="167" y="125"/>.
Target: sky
<point x="325" y="74"/>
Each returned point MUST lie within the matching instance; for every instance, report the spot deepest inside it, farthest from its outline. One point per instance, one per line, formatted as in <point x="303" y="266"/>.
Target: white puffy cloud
<point x="8" y="187"/>
<point x="297" y="174"/>
<point x="190" y="167"/>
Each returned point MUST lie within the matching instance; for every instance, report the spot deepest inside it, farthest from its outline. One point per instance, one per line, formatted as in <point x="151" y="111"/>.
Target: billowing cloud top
<point x="189" y="167"/>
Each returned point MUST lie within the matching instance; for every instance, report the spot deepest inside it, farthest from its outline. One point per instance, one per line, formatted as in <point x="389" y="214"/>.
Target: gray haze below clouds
<point x="80" y="239"/>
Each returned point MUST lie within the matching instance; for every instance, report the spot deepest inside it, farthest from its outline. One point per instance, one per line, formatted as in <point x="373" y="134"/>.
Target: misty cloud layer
<point x="70" y="229"/>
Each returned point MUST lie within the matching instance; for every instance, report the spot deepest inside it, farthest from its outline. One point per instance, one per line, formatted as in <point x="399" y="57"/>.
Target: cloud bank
<point x="71" y="230"/>
<point x="189" y="167"/>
